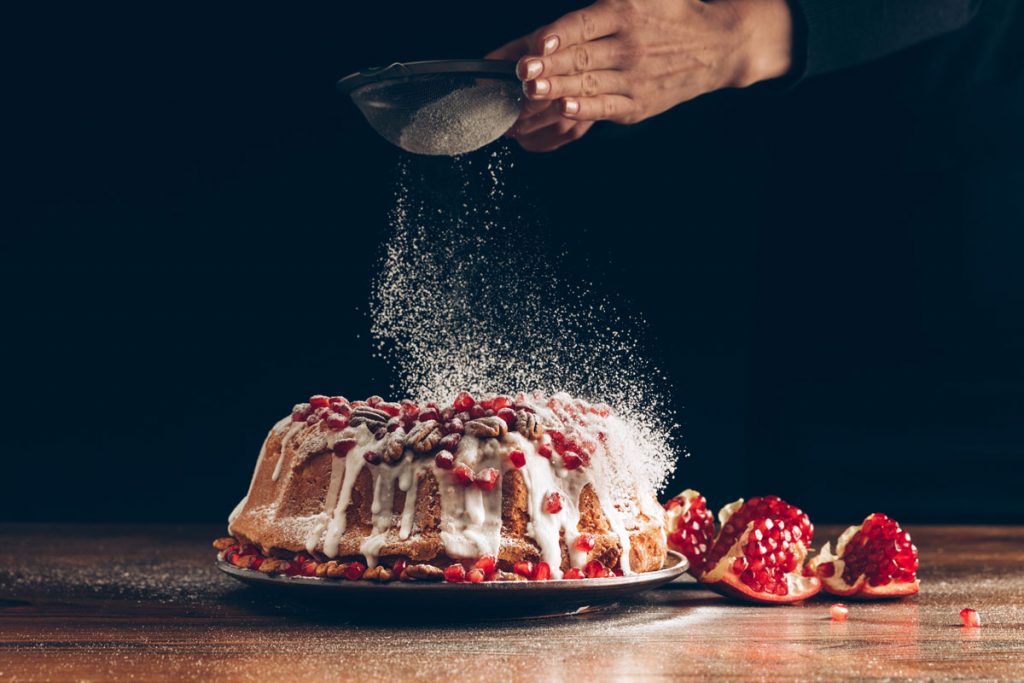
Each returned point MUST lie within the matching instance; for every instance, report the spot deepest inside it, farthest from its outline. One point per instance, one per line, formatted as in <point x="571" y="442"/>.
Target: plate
<point x="500" y="599"/>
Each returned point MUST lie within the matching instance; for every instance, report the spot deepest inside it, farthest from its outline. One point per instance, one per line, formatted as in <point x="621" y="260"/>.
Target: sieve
<point x="439" y="107"/>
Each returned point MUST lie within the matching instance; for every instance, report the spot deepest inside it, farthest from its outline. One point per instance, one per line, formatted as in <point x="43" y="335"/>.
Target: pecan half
<point x="394" y="447"/>
<point x="487" y="427"/>
<point x="272" y="566"/>
<point x="224" y="543"/>
<point x="371" y="417"/>
<point x="508" y="576"/>
<point x="424" y="436"/>
<point x="422" y="572"/>
<point x="379" y="574"/>
<point x="528" y="425"/>
<point x="335" y="569"/>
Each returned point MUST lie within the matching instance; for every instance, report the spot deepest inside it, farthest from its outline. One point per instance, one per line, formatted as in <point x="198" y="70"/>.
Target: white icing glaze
<point x="293" y="429"/>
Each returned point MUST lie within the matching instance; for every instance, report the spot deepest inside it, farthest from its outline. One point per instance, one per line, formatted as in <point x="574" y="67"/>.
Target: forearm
<point x="833" y="34"/>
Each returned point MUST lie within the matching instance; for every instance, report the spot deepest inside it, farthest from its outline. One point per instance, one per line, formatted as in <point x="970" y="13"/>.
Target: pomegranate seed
<point x="343" y="446"/>
<point x="300" y="412"/>
<point x="970" y="617"/>
<point x="475" y="576"/>
<point x="839" y="611"/>
<point x="477" y="411"/>
<point x="455" y="573"/>
<point x="524" y="568"/>
<point x="256" y="562"/>
<point x="393" y="424"/>
<point x="372" y="457"/>
<point x="487" y="479"/>
<point x="336" y="422"/>
<point x="487" y="564"/>
<point x="826" y="569"/>
<point x="445" y="460"/>
<point x="319" y="401"/>
<point x="509" y="416"/>
<point x="392" y="409"/>
<point x="553" y="502"/>
<point x="429" y="414"/>
<point x="571" y="461"/>
<point x="464" y="401"/>
<point x="450" y="442"/>
<point x="409" y="409"/>
<point x="312" y="419"/>
<point x="499" y="403"/>
<point x="595" y="569"/>
<point x="374" y="401"/>
<point x="584" y="542"/>
<point x="542" y="572"/>
<point x="355" y="571"/>
<point x="309" y="569"/>
<point x="518" y="458"/>
<point x="463" y="474"/>
<point x="487" y="403"/>
<point x="544" y="451"/>
<point x="454" y="426"/>
<point x="398" y="567"/>
<point x="573" y="573"/>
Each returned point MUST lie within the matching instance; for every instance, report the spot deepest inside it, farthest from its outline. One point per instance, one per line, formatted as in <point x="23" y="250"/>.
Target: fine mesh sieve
<point x="442" y="107"/>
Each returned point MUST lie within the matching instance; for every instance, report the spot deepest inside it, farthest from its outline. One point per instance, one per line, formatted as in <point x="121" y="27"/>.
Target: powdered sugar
<point x="463" y="120"/>
<point x="466" y="300"/>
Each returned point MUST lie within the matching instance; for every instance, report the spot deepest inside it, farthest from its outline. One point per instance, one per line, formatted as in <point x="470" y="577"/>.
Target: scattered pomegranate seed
<point x="475" y="576"/>
<point x="319" y="401"/>
<point x="509" y="416"/>
<point x="518" y="458"/>
<point x="541" y="572"/>
<point x="300" y="412"/>
<point x="450" y="442"/>
<point x="398" y="567"/>
<point x="595" y="569"/>
<point x="584" y="542"/>
<point x="445" y="460"/>
<point x="464" y="401"/>
<point x="487" y="479"/>
<point x="571" y="461"/>
<point x="970" y="617"/>
<point x="524" y="568"/>
<point x="487" y="564"/>
<point x="309" y="568"/>
<point x="336" y="422"/>
<point x="573" y="573"/>
<point x="553" y="502"/>
<point x="343" y="446"/>
<point x="839" y="611"/>
<point x="372" y="457"/>
<point x="463" y="474"/>
<point x="455" y="573"/>
<point x="355" y="571"/>
<point x="544" y="451"/>
<point x="427" y="414"/>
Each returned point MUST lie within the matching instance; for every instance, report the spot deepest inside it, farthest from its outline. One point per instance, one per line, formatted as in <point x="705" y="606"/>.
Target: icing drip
<point x="470" y="517"/>
<point x="292" y="430"/>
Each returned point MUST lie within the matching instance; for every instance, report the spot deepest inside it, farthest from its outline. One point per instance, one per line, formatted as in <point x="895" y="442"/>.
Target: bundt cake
<point x="534" y="486"/>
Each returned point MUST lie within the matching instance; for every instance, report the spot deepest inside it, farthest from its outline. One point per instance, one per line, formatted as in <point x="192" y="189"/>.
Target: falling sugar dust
<point x="468" y="298"/>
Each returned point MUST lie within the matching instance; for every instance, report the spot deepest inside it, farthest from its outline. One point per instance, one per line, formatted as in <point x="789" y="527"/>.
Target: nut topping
<point x="379" y="574"/>
<point x="422" y="572"/>
<point x="224" y="543"/>
<point x="487" y="427"/>
<point x="424" y="436"/>
<point x="528" y="425"/>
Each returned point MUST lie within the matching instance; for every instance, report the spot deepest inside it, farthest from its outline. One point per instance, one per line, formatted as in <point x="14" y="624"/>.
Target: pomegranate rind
<point x="860" y="589"/>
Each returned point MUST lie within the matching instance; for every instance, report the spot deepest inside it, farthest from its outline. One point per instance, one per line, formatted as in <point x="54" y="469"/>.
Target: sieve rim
<point x="470" y="67"/>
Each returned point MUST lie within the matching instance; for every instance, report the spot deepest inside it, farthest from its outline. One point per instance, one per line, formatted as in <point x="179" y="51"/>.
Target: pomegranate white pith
<point x="875" y="559"/>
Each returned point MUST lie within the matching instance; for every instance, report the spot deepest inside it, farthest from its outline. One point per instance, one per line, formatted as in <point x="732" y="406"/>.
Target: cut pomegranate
<point x="523" y="568"/>
<point x="355" y="571"/>
<point x="343" y="446"/>
<point x="464" y="401"/>
<point x="455" y="573"/>
<point x="691" y="528"/>
<point x="970" y="617"/>
<point x="759" y="553"/>
<point x="573" y="573"/>
<point x="874" y="560"/>
<point x="839" y="611"/>
<point x="487" y="479"/>
<point x="518" y="458"/>
<point x="542" y="572"/>
<point x="319" y="401"/>
<point x="553" y="502"/>
<point x="584" y="542"/>
<point x="445" y="460"/>
<point x="463" y="474"/>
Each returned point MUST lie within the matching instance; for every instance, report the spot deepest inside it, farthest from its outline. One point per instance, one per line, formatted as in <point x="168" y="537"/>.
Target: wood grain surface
<point x="144" y="603"/>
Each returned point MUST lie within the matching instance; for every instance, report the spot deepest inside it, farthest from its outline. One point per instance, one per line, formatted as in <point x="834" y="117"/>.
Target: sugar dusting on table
<point x="468" y="299"/>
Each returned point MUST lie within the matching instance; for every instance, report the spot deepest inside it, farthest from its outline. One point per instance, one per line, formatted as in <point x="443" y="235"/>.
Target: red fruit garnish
<point x="518" y="458"/>
<point x="463" y="474"/>
<point x="336" y="422"/>
<point x="541" y="572"/>
<point x="874" y="560"/>
<point x="300" y="412"/>
<point x="509" y="416"/>
<point x="374" y="401"/>
<point x="759" y="553"/>
<point x="372" y="457"/>
<point x="343" y="446"/>
<point x="595" y="569"/>
<point x="464" y="401"/>
<point x="499" y="403"/>
<point x="445" y="460"/>
<point x="691" y="528"/>
<point x="355" y="571"/>
<point x="970" y="617"/>
<point x="839" y="611"/>
<point x="477" y="411"/>
<point x="524" y="568"/>
<point x="398" y="567"/>
<point x="553" y="502"/>
<point x="429" y="414"/>
<point x="392" y="409"/>
<point x="409" y="409"/>
<point x="487" y="564"/>
<point x="450" y="442"/>
<point x="571" y="461"/>
<point x="319" y="401"/>
<point x="475" y="576"/>
<point x="584" y="542"/>
<point x="573" y="573"/>
<point x="487" y="479"/>
<point x="454" y="426"/>
<point x="544" y="450"/>
<point x="309" y="568"/>
<point x="455" y="573"/>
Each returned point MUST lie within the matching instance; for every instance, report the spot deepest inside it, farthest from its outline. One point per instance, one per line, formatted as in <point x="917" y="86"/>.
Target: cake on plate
<point x="504" y="488"/>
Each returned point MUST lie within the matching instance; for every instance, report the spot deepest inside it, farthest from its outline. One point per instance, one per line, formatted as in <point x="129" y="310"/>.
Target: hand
<point x="628" y="60"/>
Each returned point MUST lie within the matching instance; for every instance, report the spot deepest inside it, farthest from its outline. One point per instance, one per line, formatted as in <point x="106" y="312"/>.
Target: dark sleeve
<point x="832" y="34"/>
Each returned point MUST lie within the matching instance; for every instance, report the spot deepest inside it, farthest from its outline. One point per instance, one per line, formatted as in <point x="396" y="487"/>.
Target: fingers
<point x="616" y="108"/>
<point x="605" y="53"/>
<point x="587" y="84"/>
<point x="554" y="136"/>
<point x="581" y="26"/>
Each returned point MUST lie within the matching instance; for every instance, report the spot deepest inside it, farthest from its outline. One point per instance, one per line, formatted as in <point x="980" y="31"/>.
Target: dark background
<point x="832" y="271"/>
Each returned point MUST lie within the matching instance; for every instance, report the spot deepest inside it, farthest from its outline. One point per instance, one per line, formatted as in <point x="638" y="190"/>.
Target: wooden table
<point x="145" y="603"/>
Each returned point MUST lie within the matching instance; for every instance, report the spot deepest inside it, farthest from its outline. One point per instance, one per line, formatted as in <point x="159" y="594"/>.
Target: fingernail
<point x="533" y="68"/>
<point x="570" y="106"/>
<point x="550" y="44"/>
<point x="541" y="86"/>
